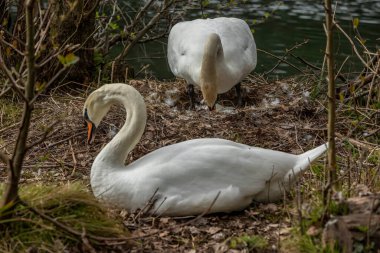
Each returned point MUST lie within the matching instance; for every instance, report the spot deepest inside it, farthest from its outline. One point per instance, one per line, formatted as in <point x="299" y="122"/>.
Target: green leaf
<point x="205" y="3"/>
<point x="113" y="26"/>
<point x="341" y="97"/>
<point x="355" y="22"/>
<point x="61" y="59"/>
<point x="352" y="89"/>
<point x="266" y="14"/>
<point x="233" y="244"/>
<point x="39" y="86"/>
<point x="69" y="59"/>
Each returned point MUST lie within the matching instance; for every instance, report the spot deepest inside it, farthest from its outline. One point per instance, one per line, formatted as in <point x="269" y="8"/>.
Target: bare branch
<point x="60" y="51"/>
<point x="282" y="60"/>
<point x="353" y="47"/>
<point x="142" y="32"/>
<point x="286" y="53"/>
<point x="11" y="46"/>
<point x="5" y="91"/>
<point x="94" y="7"/>
<point x="44" y="135"/>
<point x="159" y="36"/>
<point x="3" y="29"/>
<point x="8" y="73"/>
<point x="52" y="80"/>
<point x="331" y="153"/>
<point x="141" y="12"/>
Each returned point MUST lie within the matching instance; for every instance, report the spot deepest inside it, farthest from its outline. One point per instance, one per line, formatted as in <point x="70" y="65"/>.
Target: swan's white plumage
<point x="186" y="49"/>
<point x="188" y="175"/>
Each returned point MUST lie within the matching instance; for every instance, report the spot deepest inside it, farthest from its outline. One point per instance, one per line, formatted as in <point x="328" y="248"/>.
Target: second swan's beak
<point x="211" y="108"/>
<point x="90" y="132"/>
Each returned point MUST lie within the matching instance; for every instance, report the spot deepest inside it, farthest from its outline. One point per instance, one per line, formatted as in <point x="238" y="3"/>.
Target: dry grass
<point x="72" y="205"/>
<point x="278" y="115"/>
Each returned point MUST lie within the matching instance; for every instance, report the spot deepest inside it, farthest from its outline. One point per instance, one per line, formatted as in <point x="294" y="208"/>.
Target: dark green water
<point x="289" y="23"/>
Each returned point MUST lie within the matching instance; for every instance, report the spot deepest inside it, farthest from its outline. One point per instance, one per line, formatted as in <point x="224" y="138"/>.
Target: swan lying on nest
<point x="184" y="178"/>
<point x="214" y="54"/>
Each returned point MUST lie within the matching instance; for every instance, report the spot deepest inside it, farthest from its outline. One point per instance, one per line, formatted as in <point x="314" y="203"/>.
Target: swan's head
<point x="209" y="94"/>
<point x="95" y="108"/>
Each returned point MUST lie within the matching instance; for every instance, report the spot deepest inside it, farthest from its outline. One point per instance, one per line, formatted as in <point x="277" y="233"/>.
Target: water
<point x="288" y="23"/>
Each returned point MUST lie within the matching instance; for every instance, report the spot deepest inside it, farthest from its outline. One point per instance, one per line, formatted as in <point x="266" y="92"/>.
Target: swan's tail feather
<point x="304" y="160"/>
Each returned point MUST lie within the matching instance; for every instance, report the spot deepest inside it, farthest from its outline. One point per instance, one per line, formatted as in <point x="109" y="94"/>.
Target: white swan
<point x="188" y="175"/>
<point x="215" y="54"/>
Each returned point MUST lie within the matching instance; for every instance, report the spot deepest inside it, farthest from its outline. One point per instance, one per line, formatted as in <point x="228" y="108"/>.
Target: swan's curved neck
<point x="212" y="52"/>
<point x="117" y="150"/>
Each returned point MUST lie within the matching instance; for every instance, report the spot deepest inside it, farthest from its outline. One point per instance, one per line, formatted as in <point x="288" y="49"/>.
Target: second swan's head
<point x="95" y="108"/>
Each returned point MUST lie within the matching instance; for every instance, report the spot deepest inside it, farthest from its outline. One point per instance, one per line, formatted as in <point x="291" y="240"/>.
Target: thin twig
<point x="66" y="139"/>
<point x="282" y="60"/>
<point x="205" y="212"/>
<point x="353" y="46"/>
<point x="44" y="136"/>
<point x="75" y="232"/>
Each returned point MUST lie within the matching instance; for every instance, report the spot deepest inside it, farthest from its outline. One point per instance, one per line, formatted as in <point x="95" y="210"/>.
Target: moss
<point x="252" y="242"/>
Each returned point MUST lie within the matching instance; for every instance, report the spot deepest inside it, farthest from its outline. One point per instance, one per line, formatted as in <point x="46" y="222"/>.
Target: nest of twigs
<point x="280" y="115"/>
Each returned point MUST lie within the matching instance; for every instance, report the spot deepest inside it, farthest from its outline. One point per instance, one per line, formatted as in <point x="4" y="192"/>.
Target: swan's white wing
<point x="185" y="49"/>
<point x="191" y="173"/>
<point x="238" y="45"/>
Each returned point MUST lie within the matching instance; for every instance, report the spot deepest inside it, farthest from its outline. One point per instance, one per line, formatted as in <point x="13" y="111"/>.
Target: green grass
<point x="11" y="111"/>
<point x="70" y="204"/>
<point x="251" y="242"/>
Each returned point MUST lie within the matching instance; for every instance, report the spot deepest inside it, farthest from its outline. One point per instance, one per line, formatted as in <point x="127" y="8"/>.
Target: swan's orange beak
<point x="90" y="132"/>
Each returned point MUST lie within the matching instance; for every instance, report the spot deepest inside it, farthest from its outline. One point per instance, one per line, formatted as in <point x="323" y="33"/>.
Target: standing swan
<point x="183" y="178"/>
<point x="215" y="54"/>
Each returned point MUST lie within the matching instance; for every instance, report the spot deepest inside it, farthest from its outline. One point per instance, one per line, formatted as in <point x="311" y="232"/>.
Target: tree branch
<point x="47" y="85"/>
<point x="44" y="135"/>
<point x="282" y="60"/>
<point x="94" y="7"/>
<point x="13" y="84"/>
<point x="11" y="46"/>
<point x="353" y="46"/>
<point x="141" y="33"/>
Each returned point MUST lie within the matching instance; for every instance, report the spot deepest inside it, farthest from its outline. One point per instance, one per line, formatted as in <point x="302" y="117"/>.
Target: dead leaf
<point x="313" y="231"/>
<point x="194" y="230"/>
<point x="285" y="231"/>
<point x="163" y="234"/>
<point x="213" y="230"/>
<point x="164" y="220"/>
<point x="218" y="236"/>
<point x="270" y="208"/>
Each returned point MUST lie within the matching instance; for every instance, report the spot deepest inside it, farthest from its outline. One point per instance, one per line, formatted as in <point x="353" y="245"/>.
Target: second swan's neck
<point x="212" y="52"/>
<point x="117" y="150"/>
